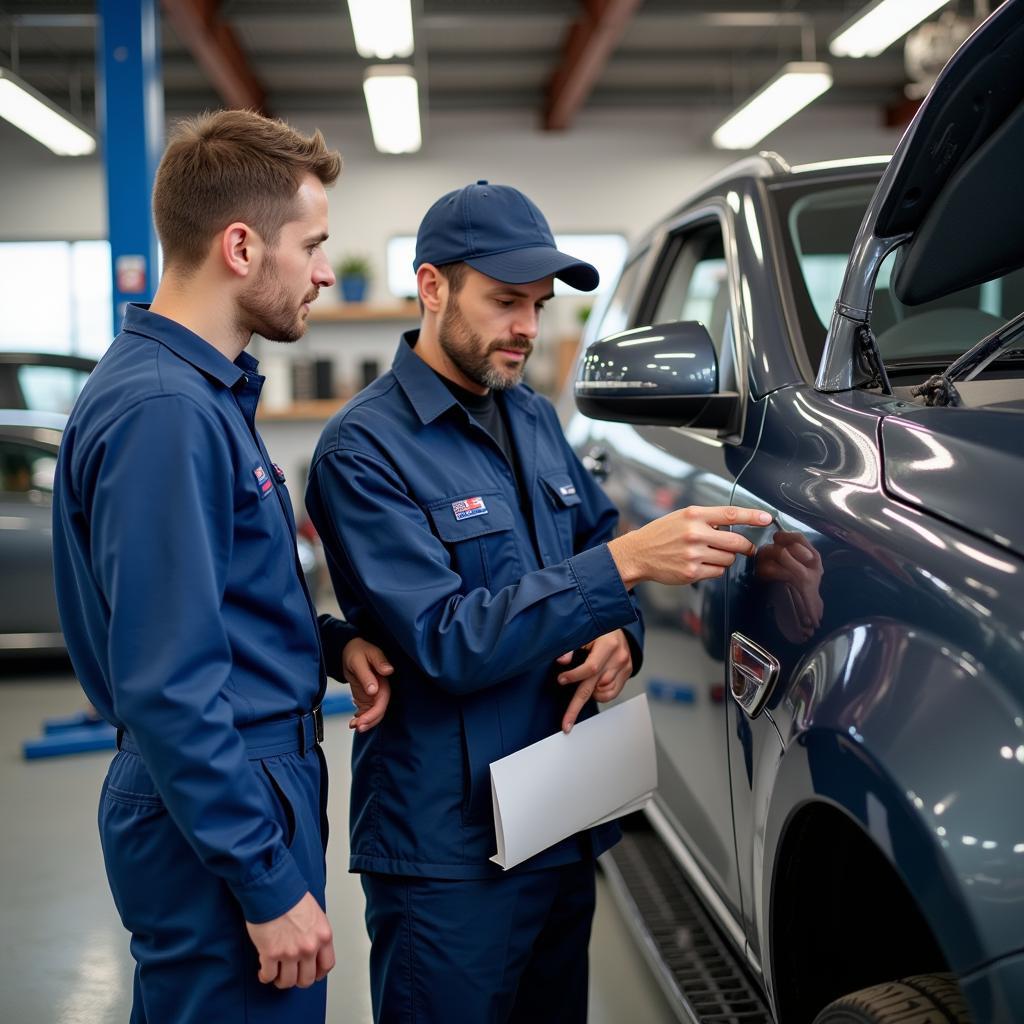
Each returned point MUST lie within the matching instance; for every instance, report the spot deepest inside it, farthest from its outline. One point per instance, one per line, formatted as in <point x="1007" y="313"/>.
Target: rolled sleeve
<point x="602" y="588"/>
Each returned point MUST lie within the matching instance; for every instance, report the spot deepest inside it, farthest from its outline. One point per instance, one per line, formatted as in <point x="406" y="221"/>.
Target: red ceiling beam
<point x="216" y="49"/>
<point x="589" y="44"/>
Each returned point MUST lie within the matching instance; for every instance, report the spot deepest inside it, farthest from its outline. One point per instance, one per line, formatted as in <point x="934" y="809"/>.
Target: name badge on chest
<point x="263" y="481"/>
<point x="469" y="507"/>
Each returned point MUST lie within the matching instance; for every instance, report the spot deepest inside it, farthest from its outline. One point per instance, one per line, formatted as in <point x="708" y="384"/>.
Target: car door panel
<point x="650" y="472"/>
<point x="27" y="601"/>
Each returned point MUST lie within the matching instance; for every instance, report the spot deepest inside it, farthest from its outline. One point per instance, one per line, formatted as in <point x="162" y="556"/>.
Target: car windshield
<point x="819" y="226"/>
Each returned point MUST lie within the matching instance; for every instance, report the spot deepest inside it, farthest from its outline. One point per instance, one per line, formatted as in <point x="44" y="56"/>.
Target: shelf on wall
<point x="362" y="312"/>
<point x="316" y="409"/>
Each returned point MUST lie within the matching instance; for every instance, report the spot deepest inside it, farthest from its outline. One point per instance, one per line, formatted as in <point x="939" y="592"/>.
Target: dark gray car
<point x="838" y="834"/>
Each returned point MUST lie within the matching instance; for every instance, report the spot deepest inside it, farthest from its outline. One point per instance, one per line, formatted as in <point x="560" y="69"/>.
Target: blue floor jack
<point x="85" y="732"/>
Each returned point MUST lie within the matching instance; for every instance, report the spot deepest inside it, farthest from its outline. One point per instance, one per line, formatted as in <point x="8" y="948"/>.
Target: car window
<point x="50" y="388"/>
<point x="615" y="316"/>
<point x="819" y="221"/>
<point x="697" y="288"/>
<point x="822" y="222"/>
<point x="823" y="226"/>
<point x="945" y="327"/>
<point x="26" y="470"/>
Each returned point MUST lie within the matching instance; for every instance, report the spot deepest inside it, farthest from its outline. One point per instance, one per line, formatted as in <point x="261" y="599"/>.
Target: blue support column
<point x="130" y="115"/>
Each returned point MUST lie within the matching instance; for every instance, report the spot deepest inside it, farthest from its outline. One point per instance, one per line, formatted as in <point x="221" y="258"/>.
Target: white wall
<point x="47" y="197"/>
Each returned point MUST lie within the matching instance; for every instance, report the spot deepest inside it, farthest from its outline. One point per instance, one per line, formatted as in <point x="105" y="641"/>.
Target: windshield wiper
<point x="941" y="389"/>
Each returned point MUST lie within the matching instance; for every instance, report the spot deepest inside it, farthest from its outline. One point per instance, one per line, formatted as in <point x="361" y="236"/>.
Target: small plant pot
<point x="353" y="289"/>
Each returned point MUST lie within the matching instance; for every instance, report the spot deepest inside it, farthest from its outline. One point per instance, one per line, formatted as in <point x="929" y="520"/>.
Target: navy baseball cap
<point x="501" y="233"/>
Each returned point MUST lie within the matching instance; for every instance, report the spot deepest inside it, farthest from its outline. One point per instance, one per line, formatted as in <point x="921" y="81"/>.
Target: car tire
<point x="921" y="999"/>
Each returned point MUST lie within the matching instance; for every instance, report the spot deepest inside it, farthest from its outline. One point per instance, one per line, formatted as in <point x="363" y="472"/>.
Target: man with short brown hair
<point x="185" y="611"/>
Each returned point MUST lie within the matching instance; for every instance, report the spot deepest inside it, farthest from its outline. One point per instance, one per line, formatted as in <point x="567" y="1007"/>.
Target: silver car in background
<point x="28" y="458"/>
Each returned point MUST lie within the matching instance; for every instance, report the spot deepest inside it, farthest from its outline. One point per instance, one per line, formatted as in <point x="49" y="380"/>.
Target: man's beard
<point x="471" y="354"/>
<point x="267" y="308"/>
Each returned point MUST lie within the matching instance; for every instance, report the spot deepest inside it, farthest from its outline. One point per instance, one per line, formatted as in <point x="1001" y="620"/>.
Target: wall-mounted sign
<point x="130" y="274"/>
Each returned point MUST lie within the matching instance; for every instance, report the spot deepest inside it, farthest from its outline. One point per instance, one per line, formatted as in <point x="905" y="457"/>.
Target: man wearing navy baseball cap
<point x="499" y="232"/>
<point x="464" y="536"/>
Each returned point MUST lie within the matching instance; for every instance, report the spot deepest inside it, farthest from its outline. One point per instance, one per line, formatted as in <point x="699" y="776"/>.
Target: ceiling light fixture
<point x="383" y="28"/>
<point x="879" y="25"/>
<point x="393" y="102"/>
<point x="35" y="115"/>
<point x="793" y="88"/>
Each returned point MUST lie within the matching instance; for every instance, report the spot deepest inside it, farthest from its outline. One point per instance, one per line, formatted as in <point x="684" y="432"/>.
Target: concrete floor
<point x="63" y="954"/>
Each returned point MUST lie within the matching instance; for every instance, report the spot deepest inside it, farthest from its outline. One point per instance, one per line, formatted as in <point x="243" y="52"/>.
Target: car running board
<point x="702" y="977"/>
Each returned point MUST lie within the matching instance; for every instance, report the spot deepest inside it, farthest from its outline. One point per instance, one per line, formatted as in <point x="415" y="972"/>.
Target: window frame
<point x="666" y="247"/>
<point x="795" y="300"/>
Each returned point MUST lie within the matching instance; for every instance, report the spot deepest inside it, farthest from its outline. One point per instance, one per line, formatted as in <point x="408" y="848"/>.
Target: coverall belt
<point x="266" y="739"/>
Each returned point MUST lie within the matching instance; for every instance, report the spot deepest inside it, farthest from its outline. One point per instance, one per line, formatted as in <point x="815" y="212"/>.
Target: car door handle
<point x="753" y="673"/>
<point x="595" y="462"/>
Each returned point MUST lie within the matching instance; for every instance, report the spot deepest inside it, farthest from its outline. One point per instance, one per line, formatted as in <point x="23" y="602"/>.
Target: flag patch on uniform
<point x="469" y="507"/>
<point x="263" y="481"/>
<point x="566" y="489"/>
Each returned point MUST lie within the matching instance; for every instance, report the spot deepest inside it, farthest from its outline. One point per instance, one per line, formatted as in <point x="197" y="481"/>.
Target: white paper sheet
<point x="603" y="769"/>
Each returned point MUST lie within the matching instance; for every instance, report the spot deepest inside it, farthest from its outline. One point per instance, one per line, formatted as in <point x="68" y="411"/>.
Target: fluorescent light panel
<point x="383" y="28"/>
<point x="879" y="25"/>
<point x="393" y="102"/>
<point x="35" y="115"/>
<point x="792" y="89"/>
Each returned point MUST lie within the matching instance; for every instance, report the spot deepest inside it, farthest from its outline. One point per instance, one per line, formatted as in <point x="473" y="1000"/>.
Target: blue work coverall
<point x="474" y="587"/>
<point x="191" y="630"/>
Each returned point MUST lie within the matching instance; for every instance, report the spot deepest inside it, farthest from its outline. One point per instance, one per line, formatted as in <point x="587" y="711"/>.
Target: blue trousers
<point x="194" y="961"/>
<point x="506" y="950"/>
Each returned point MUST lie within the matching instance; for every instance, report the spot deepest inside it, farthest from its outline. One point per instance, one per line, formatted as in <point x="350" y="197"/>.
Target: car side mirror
<point x="665" y="375"/>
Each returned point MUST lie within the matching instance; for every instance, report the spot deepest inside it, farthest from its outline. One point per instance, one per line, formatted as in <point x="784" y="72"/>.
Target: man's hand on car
<point x="366" y="670"/>
<point x="295" y="949"/>
<point x="602" y="674"/>
<point x="685" y="546"/>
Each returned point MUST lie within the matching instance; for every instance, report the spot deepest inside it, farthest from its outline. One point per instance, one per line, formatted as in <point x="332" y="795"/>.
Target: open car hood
<point x="963" y="465"/>
<point x="949" y="198"/>
<point x="954" y="183"/>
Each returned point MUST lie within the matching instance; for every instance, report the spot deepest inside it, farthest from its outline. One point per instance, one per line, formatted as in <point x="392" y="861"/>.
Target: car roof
<point x="32" y="419"/>
<point x="48" y="359"/>
<point x="772" y="169"/>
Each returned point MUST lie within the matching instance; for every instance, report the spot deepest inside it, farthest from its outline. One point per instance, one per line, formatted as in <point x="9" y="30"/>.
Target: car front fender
<point x="923" y="748"/>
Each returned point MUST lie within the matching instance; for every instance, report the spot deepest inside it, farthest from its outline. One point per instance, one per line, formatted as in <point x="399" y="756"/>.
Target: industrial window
<point x="56" y="297"/>
<point x="607" y="252"/>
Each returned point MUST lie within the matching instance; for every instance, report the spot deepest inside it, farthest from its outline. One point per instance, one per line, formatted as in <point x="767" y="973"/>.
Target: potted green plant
<point x="353" y="274"/>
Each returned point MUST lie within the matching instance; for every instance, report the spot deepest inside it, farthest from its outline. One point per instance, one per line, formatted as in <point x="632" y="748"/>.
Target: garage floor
<point x="63" y="953"/>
